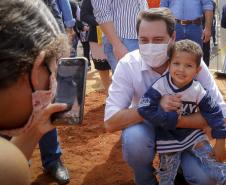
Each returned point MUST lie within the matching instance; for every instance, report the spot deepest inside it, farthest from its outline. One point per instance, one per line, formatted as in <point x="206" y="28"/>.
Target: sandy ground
<point x="92" y="156"/>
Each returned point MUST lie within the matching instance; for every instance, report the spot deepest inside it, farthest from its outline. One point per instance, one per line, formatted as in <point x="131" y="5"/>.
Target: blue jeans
<point x="131" y="44"/>
<point x="138" y="145"/>
<point x="169" y="164"/>
<point x="49" y="148"/>
<point x="190" y="31"/>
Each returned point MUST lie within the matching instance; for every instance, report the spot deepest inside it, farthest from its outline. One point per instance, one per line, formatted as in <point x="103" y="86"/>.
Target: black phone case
<point x="71" y="87"/>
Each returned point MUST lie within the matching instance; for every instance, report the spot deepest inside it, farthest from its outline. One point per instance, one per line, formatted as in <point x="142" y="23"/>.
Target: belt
<point x="197" y="21"/>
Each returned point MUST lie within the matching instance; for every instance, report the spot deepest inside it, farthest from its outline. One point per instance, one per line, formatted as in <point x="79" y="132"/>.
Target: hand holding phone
<point x="71" y="83"/>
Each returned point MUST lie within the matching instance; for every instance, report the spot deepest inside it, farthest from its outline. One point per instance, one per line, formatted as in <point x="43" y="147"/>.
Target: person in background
<point x="117" y="20"/>
<point x="69" y="22"/>
<point x="98" y="56"/>
<point x="206" y="45"/>
<point x="188" y="15"/>
<point x="223" y="17"/>
<point x="49" y="145"/>
<point x="28" y="61"/>
<point x="82" y="30"/>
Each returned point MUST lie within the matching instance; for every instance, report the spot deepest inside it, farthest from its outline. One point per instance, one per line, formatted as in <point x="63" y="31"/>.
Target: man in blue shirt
<point x="223" y="18"/>
<point x="188" y="15"/>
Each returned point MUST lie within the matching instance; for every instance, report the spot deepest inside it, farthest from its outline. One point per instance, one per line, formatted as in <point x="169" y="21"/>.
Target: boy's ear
<point x="35" y="72"/>
<point x="199" y="69"/>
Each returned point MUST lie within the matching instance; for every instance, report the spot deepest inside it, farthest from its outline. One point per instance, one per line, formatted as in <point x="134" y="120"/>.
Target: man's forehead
<point x="157" y="27"/>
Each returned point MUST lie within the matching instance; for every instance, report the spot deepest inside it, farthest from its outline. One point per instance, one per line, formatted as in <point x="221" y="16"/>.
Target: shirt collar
<point x="175" y="88"/>
<point x="146" y="67"/>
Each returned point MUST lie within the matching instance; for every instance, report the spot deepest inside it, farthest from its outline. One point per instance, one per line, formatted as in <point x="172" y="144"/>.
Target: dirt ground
<point x="92" y="156"/>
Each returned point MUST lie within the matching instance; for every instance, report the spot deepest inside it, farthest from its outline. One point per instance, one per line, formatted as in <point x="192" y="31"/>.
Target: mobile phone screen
<point x="71" y="83"/>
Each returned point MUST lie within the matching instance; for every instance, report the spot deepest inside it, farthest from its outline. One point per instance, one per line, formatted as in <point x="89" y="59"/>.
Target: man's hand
<point x="70" y="34"/>
<point x="219" y="150"/>
<point x="119" y="51"/>
<point x="171" y="102"/>
<point x="206" y="35"/>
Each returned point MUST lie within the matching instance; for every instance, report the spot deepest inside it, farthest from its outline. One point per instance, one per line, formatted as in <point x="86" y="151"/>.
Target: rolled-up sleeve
<point x="102" y="10"/>
<point x="121" y="91"/>
<point x="207" y="5"/>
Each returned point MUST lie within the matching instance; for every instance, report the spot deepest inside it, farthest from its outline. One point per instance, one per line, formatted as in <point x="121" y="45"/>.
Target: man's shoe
<point x="59" y="172"/>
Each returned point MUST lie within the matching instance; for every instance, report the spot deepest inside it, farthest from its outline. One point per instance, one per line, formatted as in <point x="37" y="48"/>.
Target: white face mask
<point x="154" y="55"/>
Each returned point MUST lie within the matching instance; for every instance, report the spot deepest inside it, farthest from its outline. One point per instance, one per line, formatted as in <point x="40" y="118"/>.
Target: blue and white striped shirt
<point x="123" y="13"/>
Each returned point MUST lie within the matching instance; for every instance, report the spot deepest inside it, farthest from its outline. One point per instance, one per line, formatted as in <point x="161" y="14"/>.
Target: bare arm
<point x="208" y="24"/>
<point x="27" y="142"/>
<point x="118" y="48"/>
<point x="123" y="119"/>
<point x="102" y="10"/>
<point x="38" y="125"/>
<point x="192" y="121"/>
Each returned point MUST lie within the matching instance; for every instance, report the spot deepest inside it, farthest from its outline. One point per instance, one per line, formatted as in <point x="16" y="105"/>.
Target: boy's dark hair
<point x="157" y="14"/>
<point x="189" y="47"/>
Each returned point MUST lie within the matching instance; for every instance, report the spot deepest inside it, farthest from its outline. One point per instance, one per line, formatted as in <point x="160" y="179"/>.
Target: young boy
<point x="185" y="57"/>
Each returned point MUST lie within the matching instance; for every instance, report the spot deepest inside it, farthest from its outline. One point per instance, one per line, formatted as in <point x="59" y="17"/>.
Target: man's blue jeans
<point x="131" y="44"/>
<point x="138" y="145"/>
<point x="190" y="31"/>
<point x="49" y="148"/>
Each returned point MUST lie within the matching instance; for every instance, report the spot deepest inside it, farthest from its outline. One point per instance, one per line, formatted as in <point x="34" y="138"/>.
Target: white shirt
<point x="133" y="77"/>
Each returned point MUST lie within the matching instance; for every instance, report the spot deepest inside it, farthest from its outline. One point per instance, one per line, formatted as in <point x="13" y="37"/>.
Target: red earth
<point x="92" y="156"/>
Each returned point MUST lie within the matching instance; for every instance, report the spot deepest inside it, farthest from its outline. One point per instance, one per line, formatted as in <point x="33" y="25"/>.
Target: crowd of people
<point x="161" y="95"/>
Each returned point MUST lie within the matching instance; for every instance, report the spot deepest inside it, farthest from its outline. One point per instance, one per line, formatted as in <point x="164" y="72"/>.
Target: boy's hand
<point x="219" y="150"/>
<point x="171" y="102"/>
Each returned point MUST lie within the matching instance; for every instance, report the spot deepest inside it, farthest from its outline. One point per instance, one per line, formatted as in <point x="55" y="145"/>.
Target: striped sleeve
<point x="102" y="10"/>
<point x="150" y="110"/>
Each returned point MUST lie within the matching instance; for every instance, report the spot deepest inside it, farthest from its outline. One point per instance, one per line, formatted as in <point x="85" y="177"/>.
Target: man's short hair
<point x="157" y="14"/>
<point x="187" y="46"/>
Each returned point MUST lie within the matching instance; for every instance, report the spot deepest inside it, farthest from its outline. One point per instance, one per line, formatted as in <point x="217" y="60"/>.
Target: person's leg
<point x="74" y="45"/>
<point x="180" y="32"/>
<point x="138" y="143"/>
<point x="206" y="52"/>
<point x="193" y="171"/>
<point x="86" y="51"/>
<point x="216" y="170"/>
<point x="169" y="164"/>
<point x="50" y="154"/>
<point x="108" y="50"/>
<point x="105" y="79"/>
<point x="194" y="33"/>
<point x="101" y="64"/>
<point x="131" y="44"/>
<point x="49" y="148"/>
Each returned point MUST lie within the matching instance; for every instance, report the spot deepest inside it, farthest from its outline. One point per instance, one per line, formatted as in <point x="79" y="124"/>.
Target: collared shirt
<point x="187" y="9"/>
<point x="133" y="77"/>
<point x="123" y="13"/>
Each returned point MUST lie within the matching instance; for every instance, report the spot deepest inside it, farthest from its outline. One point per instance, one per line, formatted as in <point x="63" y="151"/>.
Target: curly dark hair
<point x="26" y="28"/>
<point x="188" y="46"/>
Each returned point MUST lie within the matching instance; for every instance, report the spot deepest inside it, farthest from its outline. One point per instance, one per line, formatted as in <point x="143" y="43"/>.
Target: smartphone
<point x="71" y="87"/>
